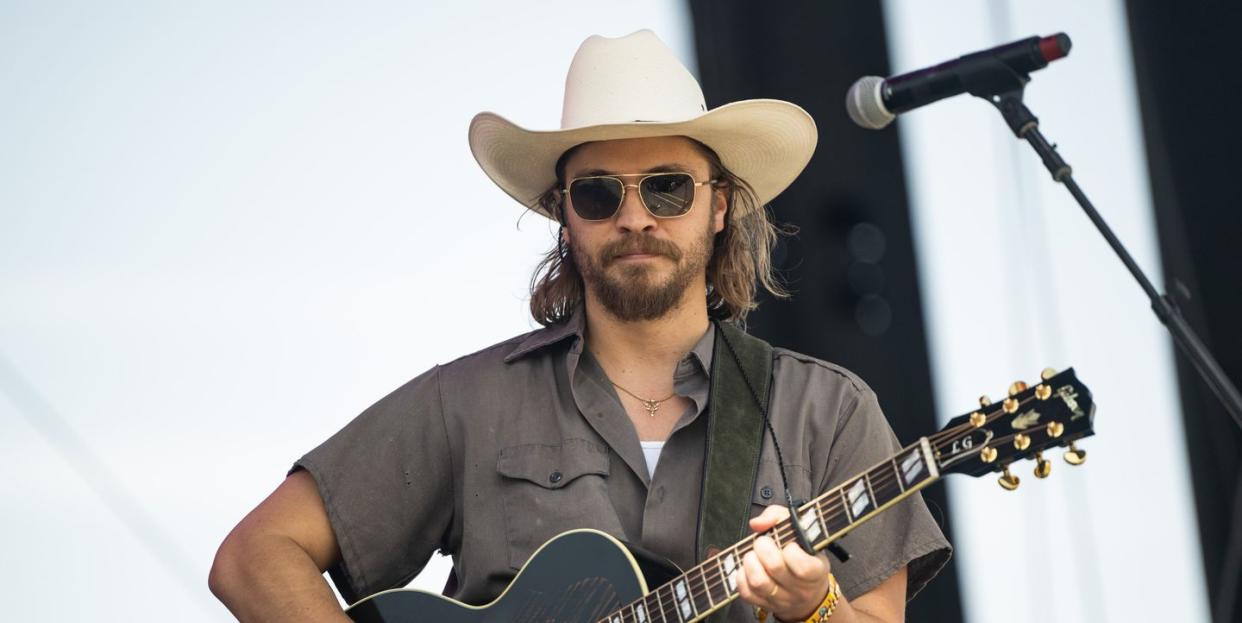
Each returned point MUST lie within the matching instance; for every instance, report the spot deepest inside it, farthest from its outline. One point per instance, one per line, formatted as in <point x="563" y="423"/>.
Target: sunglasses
<point x="665" y="195"/>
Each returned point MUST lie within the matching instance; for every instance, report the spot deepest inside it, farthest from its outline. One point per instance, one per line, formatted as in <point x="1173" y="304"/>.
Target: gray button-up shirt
<point x="490" y="455"/>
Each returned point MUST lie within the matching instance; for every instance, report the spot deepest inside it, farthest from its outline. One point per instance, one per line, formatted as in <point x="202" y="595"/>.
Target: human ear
<point x="720" y="208"/>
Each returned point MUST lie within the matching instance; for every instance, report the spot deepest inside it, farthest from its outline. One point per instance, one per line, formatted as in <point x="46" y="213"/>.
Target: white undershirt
<point x="651" y="450"/>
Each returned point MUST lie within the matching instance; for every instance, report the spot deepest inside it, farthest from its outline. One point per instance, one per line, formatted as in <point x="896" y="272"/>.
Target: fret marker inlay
<point x="911" y="467"/>
<point x="683" y="600"/>
<point x="730" y="565"/>
<point x="859" y="500"/>
<point x="810" y="525"/>
<point x="640" y="614"/>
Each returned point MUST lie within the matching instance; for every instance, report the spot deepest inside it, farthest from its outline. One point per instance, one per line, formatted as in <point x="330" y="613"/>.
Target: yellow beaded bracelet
<point x="821" y="612"/>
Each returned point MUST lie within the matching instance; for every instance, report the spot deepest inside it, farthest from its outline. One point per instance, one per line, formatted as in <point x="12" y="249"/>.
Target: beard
<point x="634" y="292"/>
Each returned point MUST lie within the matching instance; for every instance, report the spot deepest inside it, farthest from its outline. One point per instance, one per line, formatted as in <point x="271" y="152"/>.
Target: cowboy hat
<point x="634" y="87"/>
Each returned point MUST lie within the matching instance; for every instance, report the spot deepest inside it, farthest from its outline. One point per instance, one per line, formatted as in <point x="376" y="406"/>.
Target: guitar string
<point x="783" y="531"/>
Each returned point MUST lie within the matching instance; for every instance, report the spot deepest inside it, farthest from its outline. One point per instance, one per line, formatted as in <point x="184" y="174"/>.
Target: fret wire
<point x="866" y="477"/>
<point x="692" y="587"/>
<point x="672" y="597"/>
<point x="660" y="604"/>
<point x="706" y="589"/>
<point x="897" y="474"/>
<point x="823" y="525"/>
<point x="694" y="592"/>
<point x="724" y="576"/>
<point x="647" y="606"/>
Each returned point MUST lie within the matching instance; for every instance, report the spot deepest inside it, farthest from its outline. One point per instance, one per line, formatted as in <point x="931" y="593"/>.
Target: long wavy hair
<point x="741" y="256"/>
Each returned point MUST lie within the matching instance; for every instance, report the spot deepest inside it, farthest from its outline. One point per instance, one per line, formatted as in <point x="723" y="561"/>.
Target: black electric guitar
<point x="588" y="576"/>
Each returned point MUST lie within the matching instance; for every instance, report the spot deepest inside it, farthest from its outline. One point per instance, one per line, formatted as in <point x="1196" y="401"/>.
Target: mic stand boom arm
<point x="1002" y="86"/>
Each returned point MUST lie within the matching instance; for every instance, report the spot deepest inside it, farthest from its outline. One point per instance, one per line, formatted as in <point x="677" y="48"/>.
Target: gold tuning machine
<point x="1043" y="466"/>
<point x="987" y="454"/>
<point x="1047" y="373"/>
<point x="1043" y="391"/>
<point x="1017" y="388"/>
<point x="984" y="401"/>
<point x="1055" y="429"/>
<point x="1021" y="441"/>
<point x="1011" y="405"/>
<point x="1008" y="481"/>
<point x="1075" y="455"/>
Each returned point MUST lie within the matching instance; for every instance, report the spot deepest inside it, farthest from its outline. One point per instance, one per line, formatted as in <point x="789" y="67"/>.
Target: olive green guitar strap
<point x="734" y="439"/>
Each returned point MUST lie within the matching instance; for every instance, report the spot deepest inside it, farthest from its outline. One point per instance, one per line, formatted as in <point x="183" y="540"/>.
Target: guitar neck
<point x="708" y="586"/>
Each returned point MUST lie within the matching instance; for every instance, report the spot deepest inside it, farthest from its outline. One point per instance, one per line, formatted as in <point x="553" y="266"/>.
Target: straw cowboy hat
<point x="634" y="87"/>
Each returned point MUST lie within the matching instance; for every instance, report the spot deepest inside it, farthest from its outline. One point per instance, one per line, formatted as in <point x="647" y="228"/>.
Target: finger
<point x="757" y="580"/>
<point x="772" y="560"/>
<point x="804" y="567"/>
<point x="770" y="516"/>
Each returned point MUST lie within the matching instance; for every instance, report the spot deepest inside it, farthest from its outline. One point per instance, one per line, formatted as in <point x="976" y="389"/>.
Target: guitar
<point x="588" y="576"/>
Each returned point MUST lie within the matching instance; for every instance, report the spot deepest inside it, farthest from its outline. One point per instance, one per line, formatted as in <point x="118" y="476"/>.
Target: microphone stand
<point x="1002" y="86"/>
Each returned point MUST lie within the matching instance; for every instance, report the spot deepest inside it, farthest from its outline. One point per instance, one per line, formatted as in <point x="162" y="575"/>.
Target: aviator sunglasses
<point x="665" y="195"/>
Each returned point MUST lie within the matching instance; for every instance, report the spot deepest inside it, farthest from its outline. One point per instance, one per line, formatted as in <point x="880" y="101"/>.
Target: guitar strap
<point x="734" y="439"/>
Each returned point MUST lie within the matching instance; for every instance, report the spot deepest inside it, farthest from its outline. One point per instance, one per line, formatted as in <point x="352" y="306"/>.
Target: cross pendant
<point x="652" y="406"/>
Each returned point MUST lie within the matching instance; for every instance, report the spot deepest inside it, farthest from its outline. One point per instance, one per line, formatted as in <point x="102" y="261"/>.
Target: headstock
<point x="1056" y="412"/>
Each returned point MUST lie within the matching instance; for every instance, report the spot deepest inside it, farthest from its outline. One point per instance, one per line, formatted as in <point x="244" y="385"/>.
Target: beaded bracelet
<point x="821" y="612"/>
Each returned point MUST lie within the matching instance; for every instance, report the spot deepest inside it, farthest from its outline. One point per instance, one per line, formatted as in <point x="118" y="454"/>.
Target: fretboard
<point x="709" y="586"/>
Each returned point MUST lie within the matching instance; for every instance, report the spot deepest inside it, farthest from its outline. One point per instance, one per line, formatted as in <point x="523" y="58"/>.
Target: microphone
<point x="874" y="102"/>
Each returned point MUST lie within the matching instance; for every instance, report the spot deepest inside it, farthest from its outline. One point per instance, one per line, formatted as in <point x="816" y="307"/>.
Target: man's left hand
<point x="787" y="581"/>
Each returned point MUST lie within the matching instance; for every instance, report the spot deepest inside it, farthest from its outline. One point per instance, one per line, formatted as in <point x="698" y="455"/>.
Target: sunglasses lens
<point x="595" y="198"/>
<point x="668" y="194"/>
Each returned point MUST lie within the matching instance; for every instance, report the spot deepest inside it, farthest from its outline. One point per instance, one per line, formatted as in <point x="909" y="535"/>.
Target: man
<point x="599" y="419"/>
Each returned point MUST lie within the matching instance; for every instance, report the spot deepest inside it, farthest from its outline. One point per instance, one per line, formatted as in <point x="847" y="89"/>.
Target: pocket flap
<point x="769" y="489"/>
<point x="553" y="466"/>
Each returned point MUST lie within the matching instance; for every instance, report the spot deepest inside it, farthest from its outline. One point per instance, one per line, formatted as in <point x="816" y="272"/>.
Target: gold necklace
<point x="651" y="405"/>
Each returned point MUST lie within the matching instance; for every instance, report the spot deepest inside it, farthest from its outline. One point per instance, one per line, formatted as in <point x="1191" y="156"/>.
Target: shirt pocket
<point x="548" y="489"/>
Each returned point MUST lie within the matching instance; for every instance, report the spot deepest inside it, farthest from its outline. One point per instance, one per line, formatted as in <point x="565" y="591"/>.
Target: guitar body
<point x="577" y="577"/>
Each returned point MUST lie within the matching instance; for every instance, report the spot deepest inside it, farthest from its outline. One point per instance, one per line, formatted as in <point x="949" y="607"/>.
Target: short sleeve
<point x="386" y="482"/>
<point x="904" y="534"/>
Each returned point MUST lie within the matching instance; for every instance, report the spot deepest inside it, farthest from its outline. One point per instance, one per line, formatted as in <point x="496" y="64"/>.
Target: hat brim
<point x="765" y="142"/>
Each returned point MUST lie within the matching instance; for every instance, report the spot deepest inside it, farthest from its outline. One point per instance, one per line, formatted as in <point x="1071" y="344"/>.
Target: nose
<point x="632" y="215"/>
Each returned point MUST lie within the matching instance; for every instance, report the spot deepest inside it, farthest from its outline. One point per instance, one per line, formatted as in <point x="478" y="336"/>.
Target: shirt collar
<point x="551" y="334"/>
<point x="575" y="325"/>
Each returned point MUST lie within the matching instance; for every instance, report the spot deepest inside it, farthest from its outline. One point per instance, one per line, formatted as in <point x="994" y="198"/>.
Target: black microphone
<point x="874" y="102"/>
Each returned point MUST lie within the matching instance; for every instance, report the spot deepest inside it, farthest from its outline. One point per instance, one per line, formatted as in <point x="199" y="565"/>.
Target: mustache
<point x="639" y="243"/>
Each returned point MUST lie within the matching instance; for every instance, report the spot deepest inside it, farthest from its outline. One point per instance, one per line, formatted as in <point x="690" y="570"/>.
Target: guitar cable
<point x="805" y="543"/>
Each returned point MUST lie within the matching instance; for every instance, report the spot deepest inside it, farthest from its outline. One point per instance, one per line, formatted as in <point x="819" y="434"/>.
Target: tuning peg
<point x="1008" y="481"/>
<point x="1021" y="441"/>
<point x="984" y="401"/>
<point x="1043" y="392"/>
<point x="1047" y="373"/>
<point x="1055" y="429"/>
<point x="978" y="419"/>
<point x="987" y="455"/>
<point x="1043" y="466"/>
<point x="1011" y="405"/>
<point x="1017" y="387"/>
<point x="1075" y="455"/>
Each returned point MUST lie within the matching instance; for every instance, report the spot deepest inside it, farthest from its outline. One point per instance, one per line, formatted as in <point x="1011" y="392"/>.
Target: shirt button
<point x="766" y="492"/>
<point x="554" y="477"/>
